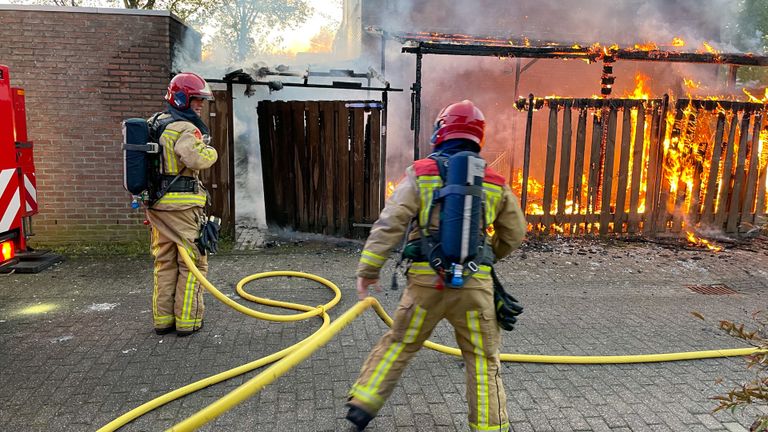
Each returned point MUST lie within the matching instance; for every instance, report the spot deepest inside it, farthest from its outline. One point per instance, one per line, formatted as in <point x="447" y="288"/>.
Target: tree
<point x="245" y="24"/>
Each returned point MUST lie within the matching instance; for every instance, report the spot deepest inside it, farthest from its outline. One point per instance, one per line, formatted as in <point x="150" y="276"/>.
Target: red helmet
<point x="460" y="120"/>
<point x="184" y="87"/>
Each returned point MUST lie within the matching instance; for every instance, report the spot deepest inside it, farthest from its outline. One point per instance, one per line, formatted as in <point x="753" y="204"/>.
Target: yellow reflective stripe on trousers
<point x="414" y="328"/>
<point x="481" y="368"/>
<point x="157" y="319"/>
<point x="427" y="186"/>
<point x="394" y="350"/>
<point x="372" y="259"/>
<point x="500" y="428"/>
<point x="189" y="288"/>
<point x="188" y="323"/>
<point x="365" y="395"/>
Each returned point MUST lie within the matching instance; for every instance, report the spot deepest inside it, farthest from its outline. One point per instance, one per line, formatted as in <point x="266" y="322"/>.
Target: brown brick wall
<point x="83" y="72"/>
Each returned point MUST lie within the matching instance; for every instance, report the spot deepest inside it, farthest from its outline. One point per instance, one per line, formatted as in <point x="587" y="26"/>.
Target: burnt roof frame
<point x="468" y="45"/>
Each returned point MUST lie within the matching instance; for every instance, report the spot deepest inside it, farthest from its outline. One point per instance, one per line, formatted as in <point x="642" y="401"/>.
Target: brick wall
<point x="84" y="70"/>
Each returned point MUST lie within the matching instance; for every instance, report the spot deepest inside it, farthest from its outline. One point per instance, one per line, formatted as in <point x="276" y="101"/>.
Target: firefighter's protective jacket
<point x="412" y="198"/>
<point x="185" y="152"/>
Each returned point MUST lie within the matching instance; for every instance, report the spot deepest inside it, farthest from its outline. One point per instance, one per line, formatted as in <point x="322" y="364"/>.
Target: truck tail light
<point x="7" y="250"/>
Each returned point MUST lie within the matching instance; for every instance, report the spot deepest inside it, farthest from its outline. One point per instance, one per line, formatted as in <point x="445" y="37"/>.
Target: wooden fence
<point x="219" y="180"/>
<point x="624" y="166"/>
<point x="322" y="165"/>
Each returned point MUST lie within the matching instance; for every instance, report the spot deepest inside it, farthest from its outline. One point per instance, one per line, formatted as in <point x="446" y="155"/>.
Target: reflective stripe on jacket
<point x="411" y="199"/>
<point x="184" y="152"/>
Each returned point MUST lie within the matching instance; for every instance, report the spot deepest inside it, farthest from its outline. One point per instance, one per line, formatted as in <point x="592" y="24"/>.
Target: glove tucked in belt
<point x="209" y="236"/>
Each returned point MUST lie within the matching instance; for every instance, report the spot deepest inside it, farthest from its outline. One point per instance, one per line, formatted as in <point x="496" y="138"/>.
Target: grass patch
<point x="132" y="248"/>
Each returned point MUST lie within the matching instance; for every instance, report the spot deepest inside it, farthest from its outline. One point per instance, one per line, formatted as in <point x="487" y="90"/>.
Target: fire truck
<point x="18" y="192"/>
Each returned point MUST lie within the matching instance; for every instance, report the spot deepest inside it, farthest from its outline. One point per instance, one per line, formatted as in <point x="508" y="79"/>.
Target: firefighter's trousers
<point x="471" y="313"/>
<point x="177" y="297"/>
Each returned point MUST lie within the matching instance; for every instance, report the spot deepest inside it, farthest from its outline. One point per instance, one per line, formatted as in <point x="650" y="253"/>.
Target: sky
<point x="294" y="40"/>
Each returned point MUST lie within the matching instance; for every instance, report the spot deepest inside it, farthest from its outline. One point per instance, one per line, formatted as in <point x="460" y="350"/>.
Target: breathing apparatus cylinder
<point x="461" y="211"/>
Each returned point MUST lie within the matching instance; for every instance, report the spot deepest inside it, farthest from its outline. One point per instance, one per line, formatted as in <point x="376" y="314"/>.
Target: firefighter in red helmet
<point x="428" y="298"/>
<point x="176" y="217"/>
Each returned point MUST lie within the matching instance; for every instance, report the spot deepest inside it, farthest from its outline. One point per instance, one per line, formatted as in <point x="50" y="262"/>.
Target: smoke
<point x="492" y="83"/>
<point x="217" y="62"/>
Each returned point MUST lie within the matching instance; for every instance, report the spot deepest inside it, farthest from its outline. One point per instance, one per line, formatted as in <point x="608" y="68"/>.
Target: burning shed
<point x="665" y="167"/>
<point x="630" y="145"/>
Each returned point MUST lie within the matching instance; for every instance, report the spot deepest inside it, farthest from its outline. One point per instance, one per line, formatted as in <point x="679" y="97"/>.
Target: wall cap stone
<point x="93" y="10"/>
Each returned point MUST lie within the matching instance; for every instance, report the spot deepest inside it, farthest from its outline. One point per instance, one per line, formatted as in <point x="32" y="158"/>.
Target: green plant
<point x="755" y="391"/>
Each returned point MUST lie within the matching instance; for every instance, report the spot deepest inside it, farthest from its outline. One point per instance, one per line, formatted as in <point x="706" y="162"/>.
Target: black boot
<point x="359" y="417"/>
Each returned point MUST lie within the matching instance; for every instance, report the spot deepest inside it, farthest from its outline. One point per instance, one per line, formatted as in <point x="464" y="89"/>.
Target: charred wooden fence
<point x="633" y="166"/>
<point x="322" y="165"/>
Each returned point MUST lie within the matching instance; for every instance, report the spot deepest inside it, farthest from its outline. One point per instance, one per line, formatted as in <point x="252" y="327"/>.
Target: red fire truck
<point x="18" y="193"/>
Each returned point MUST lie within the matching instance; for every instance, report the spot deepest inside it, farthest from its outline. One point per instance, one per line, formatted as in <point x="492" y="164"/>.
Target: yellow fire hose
<point x="289" y="357"/>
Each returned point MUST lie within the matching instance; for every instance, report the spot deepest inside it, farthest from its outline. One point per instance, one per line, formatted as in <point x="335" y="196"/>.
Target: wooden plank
<point x="760" y="204"/>
<point x="357" y="160"/>
<point x="578" y="161"/>
<point x="375" y="179"/>
<point x="328" y="135"/>
<point x="747" y="217"/>
<point x="565" y="160"/>
<point x="301" y="164"/>
<point x="708" y="212"/>
<point x="666" y="198"/>
<point x="685" y="146"/>
<point x="655" y="157"/>
<point x="286" y="152"/>
<point x="638" y="148"/>
<point x="607" y="186"/>
<point x="671" y="200"/>
<point x="549" y="172"/>
<point x="266" y="136"/>
<point x="722" y="202"/>
<point x="621" y="183"/>
<point x="732" y="226"/>
<point x="343" y="190"/>
<point x="270" y="161"/>
<point x="594" y="162"/>
<point x="314" y="152"/>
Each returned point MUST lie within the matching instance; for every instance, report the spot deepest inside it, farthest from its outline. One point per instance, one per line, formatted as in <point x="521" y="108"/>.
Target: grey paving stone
<point x="62" y="371"/>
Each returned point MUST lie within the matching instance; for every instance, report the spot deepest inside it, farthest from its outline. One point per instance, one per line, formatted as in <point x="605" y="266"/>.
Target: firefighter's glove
<point x="209" y="236"/>
<point x="507" y="307"/>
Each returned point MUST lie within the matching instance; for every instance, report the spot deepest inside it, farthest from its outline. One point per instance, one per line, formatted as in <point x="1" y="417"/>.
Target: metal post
<point x="416" y="95"/>
<point x="231" y="161"/>
<point x="383" y="153"/>
<point x="527" y="154"/>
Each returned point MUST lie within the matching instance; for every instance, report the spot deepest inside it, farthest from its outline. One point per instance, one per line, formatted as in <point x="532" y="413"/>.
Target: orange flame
<point x="755" y="99"/>
<point x="698" y="241"/>
<point x="691" y="84"/>
<point x="709" y="48"/>
<point x="641" y="87"/>
<point x="648" y="46"/>
<point x="678" y="42"/>
<point x="390" y="189"/>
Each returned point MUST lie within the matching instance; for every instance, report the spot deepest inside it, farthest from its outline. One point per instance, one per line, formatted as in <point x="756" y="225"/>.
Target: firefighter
<point x="176" y="217"/>
<point x="427" y="299"/>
